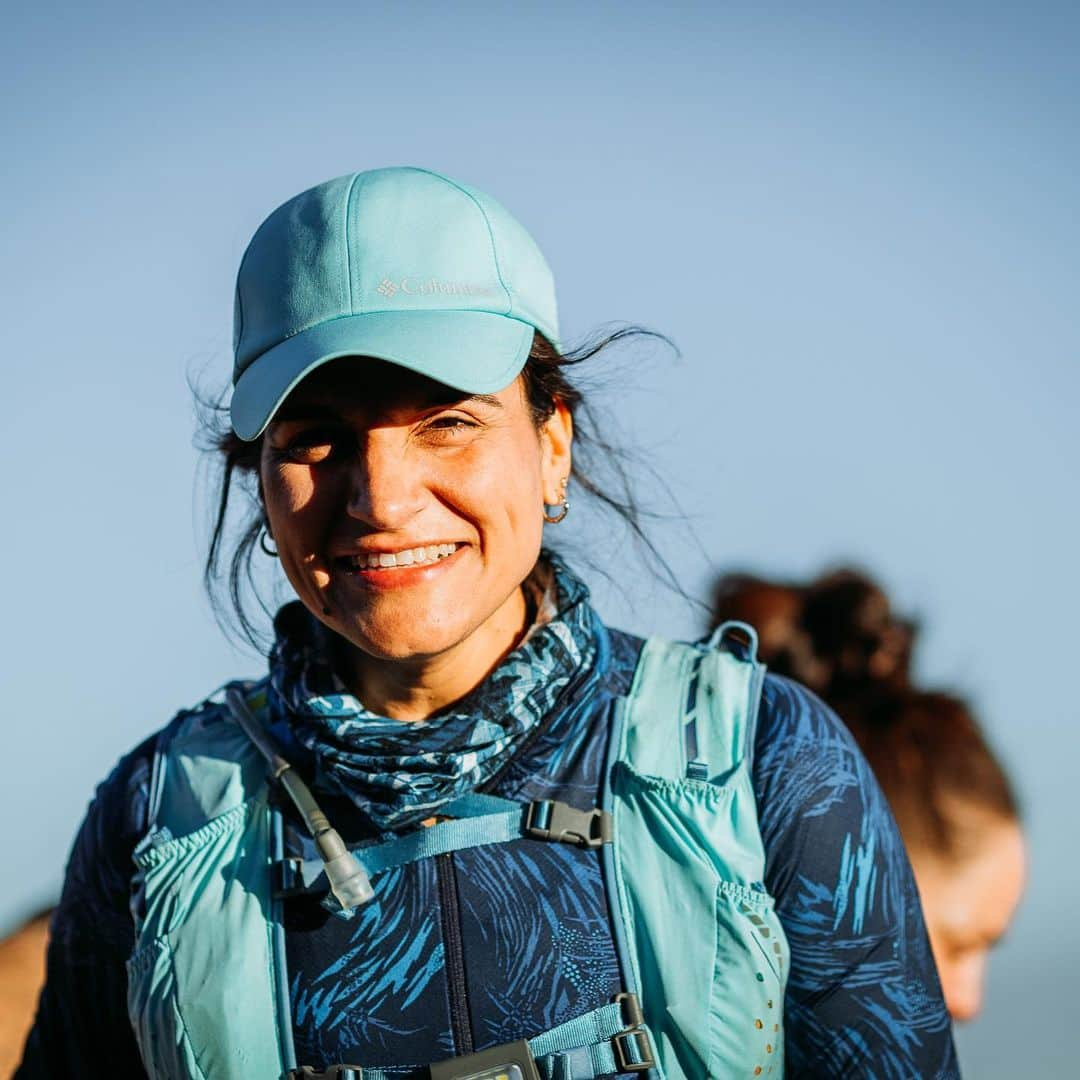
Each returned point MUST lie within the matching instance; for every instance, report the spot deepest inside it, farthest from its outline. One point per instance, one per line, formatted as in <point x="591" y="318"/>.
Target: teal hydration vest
<point x="702" y="952"/>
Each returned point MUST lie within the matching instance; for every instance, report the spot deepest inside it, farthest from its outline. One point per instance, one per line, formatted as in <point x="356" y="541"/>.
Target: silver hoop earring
<point x="563" y="506"/>
<point x="264" y="536"/>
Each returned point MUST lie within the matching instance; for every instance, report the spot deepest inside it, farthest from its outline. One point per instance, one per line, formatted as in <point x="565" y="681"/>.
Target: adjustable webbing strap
<point x="605" y="1042"/>
<point x="476" y="820"/>
<point x="593" y="1027"/>
<point x="467" y="829"/>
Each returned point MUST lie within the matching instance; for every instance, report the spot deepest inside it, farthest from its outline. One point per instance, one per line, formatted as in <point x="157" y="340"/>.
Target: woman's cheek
<point x="506" y="510"/>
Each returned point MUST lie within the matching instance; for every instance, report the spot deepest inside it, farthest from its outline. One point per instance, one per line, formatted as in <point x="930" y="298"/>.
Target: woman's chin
<point x="400" y="640"/>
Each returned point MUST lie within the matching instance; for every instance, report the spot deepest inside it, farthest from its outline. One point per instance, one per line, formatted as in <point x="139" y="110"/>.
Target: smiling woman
<point x="564" y="851"/>
<point x="375" y="463"/>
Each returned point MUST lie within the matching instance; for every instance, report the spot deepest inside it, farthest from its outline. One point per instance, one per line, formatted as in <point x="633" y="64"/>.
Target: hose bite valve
<point x="350" y="885"/>
<point x="349" y="881"/>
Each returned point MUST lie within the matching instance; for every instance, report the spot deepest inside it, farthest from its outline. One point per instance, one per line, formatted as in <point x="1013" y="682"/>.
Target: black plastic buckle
<point x="549" y="819"/>
<point x="335" y="1072"/>
<point x="639" y="1039"/>
<point x="513" y="1061"/>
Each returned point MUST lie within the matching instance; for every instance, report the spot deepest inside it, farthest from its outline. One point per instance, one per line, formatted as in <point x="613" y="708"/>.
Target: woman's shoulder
<point x="807" y="765"/>
<point x="117" y="816"/>
<point x="794" y="716"/>
<point x="93" y="906"/>
<point x="822" y="815"/>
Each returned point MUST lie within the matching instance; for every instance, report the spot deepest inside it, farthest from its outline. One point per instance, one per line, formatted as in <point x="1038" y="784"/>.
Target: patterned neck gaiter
<point x="399" y="772"/>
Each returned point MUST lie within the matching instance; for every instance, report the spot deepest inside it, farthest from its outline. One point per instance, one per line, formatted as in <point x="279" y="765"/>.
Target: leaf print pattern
<point x="383" y="987"/>
<point x="863" y="997"/>
<point x="538" y="944"/>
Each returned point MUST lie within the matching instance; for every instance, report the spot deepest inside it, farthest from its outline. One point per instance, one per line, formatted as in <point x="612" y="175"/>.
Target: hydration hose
<point x="348" y="879"/>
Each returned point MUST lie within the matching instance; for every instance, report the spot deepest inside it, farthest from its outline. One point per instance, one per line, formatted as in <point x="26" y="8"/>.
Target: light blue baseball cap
<point x="397" y="264"/>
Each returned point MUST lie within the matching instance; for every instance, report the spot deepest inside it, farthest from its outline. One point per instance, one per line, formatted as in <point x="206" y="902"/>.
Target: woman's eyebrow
<point x="312" y="411"/>
<point x="454" y="397"/>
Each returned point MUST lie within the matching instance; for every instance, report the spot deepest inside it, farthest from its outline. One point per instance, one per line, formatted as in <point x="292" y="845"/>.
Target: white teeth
<point x="420" y="556"/>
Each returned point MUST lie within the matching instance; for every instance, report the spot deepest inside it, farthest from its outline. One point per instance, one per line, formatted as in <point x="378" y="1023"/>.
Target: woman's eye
<point x="313" y="447"/>
<point x="448" y="427"/>
<point x="306" y="454"/>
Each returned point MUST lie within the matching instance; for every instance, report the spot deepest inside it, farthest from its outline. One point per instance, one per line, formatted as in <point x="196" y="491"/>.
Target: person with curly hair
<point x="951" y="797"/>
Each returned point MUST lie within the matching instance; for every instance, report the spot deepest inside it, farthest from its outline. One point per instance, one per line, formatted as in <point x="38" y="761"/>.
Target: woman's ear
<point x="556" y="437"/>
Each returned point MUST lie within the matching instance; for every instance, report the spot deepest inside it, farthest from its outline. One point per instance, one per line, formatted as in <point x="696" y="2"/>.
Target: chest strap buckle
<point x="548" y="819"/>
<point x="514" y="1061"/>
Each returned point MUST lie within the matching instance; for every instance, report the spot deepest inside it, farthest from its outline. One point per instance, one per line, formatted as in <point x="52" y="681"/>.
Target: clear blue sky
<point x="859" y="222"/>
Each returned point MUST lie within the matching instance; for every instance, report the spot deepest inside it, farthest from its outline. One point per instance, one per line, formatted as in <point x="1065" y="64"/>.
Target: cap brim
<point x="473" y="351"/>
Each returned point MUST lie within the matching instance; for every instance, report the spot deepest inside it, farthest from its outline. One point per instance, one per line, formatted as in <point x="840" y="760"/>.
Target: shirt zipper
<point x="450" y="909"/>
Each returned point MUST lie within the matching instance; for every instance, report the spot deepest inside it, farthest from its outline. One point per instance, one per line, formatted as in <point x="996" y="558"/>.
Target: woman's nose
<point x="386" y="485"/>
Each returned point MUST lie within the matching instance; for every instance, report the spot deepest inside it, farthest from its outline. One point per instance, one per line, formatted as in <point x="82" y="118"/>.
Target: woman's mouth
<point x="424" y="555"/>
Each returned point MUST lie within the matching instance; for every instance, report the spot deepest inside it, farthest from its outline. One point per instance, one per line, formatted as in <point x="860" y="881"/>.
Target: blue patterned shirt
<point x="485" y="946"/>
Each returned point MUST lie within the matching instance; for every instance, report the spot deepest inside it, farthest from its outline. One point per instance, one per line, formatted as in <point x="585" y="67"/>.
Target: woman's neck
<point x="416" y="689"/>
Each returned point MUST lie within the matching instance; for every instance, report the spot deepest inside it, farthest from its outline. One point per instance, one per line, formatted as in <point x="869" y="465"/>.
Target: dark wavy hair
<point x="601" y="469"/>
<point x="839" y="636"/>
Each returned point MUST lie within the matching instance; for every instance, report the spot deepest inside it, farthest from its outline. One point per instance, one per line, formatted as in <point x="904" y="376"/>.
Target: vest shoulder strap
<point x="692" y="709"/>
<point x="687" y="857"/>
<point x="203" y="766"/>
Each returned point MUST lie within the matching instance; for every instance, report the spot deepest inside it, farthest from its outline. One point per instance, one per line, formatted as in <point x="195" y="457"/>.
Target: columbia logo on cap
<point x="401" y="264"/>
<point x="432" y="287"/>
